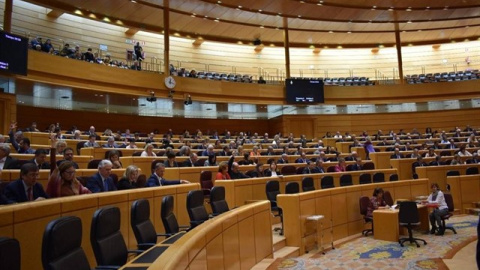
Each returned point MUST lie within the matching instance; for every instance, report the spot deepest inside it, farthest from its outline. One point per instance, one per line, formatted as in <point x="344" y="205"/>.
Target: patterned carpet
<point x="365" y="253"/>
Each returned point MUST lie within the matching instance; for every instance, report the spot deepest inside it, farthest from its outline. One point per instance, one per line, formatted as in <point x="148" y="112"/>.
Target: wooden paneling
<point x="8" y="111"/>
<point x="102" y="121"/>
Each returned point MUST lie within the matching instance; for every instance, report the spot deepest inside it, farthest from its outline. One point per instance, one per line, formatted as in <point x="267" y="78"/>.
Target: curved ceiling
<point x="361" y="23"/>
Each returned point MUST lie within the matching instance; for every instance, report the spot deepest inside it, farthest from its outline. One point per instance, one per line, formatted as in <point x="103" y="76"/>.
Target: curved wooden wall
<point x="27" y="221"/>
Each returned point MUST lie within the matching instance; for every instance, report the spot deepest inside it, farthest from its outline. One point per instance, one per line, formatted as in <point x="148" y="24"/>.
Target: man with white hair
<point x="209" y="151"/>
<point x="7" y="162"/>
<point x="101" y="181"/>
<point x="110" y="143"/>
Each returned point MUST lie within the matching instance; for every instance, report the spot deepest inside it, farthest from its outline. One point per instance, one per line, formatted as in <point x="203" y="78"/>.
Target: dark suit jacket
<point x="268" y="172"/>
<point x="318" y="170"/>
<point x="95" y="184"/>
<point x="44" y="166"/>
<point x="154" y="182"/>
<point x="11" y="164"/>
<point x="356" y="167"/>
<point x="187" y="163"/>
<point x="167" y="165"/>
<point x="349" y="158"/>
<point x="281" y="161"/>
<point x="300" y="160"/>
<point x="15" y="192"/>
<point x="395" y="156"/>
<point x="418" y="164"/>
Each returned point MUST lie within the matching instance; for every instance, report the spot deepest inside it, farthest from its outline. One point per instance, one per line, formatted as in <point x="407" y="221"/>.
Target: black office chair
<point x="292" y="188"/>
<point x="346" y="180"/>
<point x="393" y="177"/>
<point x="307" y="184"/>
<point x="107" y="241"/>
<point x="387" y="197"/>
<point x="471" y="170"/>
<point x="327" y="182"/>
<point x="364" y="202"/>
<point x="9" y="253"/>
<point x="408" y="217"/>
<point x="272" y="188"/>
<point x="169" y="220"/>
<point x="217" y="200"/>
<point x="453" y="173"/>
<point x="378" y="177"/>
<point x="62" y="245"/>
<point x="196" y="208"/>
<point x="142" y="226"/>
<point x="365" y="178"/>
<point x="451" y="208"/>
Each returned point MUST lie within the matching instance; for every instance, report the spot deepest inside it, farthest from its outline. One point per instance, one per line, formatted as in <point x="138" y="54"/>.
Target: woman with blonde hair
<point x="148" y="152"/>
<point x="129" y="179"/>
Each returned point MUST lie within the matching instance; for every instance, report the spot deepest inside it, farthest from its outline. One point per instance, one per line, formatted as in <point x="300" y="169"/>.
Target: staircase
<point x="280" y="250"/>
<point x="474" y="210"/>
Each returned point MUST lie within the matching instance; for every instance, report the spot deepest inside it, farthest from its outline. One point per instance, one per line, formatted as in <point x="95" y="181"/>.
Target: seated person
<point x="110" y="143"/>
<point x="435" y="216"/>
<point x="246" y="160"/>
<point x="437" y="162"/>
<point x="101" y="181"/>
<point x="62" y="182"/>
<point x="310" y="168"/>
<point x="6" y="161"/>
<point x="418" y="163"/>
<point x="156" y="179"/>
<point x="170" y="162"/>
<point x="40" y="159"/>
<point x="340" y="167"/>
<point x="396" y="154"/>
<point x="68" y="156"/>
<point x="91" y="141"/>
<point x="358" y="165"/>
<point x="352" y="157"/>
<point x="272" y="170"/>
<point x="234" y="169"/>
<point x="431" y="152"/>
<point x="129" y="179"/>
<point x="283" y="159"/>
<point x="148" y="152"/>
<point x="222" y="173"/>
<point x="26" y="188"/>
<point x="376" y="201"/>
<point x="190" y="162"/>
<point x="211" y="161"/>
<point x="302" y="159"/>
<point x="114" y="157"/>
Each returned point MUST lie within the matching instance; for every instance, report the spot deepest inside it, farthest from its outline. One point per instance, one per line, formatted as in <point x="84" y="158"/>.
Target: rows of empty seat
<point x="443" y="77"/>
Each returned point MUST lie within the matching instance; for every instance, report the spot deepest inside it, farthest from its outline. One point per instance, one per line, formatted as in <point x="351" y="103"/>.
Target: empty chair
<point x="327" y="182"/>
<point x="62" y="246"/>
<point x="408" y="217"/>
<point x="288" y="170"/>
<point x="346" y="180"/>
<point x="167" y="215"/>
<point x="93" y="164"/>
<point x="451" y="208"/>
<point x="364" y="201"/>
<point x="388" y="197"/>
<point x="196" y="208"/>
<point x="206" y="182"/>
<point x="217" y="200"/>
<point x="272" y="189"/>
<point x="471" y="170"/>
<point x="365" y="178"/>
<point x="393" y="177"/>
<point x="107" y="241"/>
<point x="378" y="177"/>
<point x="142" y="226"/>
<point x="292" y="188"/>
<point x="453" y="173"/>
<point x="10" y="254"/>
<point x="307" y="184"/>
<point x="369" y="166"/>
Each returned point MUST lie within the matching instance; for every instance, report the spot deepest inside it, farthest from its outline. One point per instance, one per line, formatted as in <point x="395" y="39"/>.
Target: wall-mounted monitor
<point x="13" y="53"/>
<point x="304" y="91"/>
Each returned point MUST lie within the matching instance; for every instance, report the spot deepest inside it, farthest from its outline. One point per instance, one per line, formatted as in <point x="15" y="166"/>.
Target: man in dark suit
<point x="384" y="142"/>
<point x="40" y="159"/>
<point x="191" y="161"/>
<point x="283" y="159"/>
<point x="26" y="188"/>
<point x="156" y="179"/>
<point x="319" y="166"/>
<point x="6" y="161"/>
<point x="437" y="161"/>
<point x="68" y="156"/>
<point x="474" y="159"/>
<point x="224" y="152"/>
<point x="396" y="154"/>
<point x="302" y="159"/>
<point x="310" y="168"/>
<point x="101" y="181"/>
<point x="358" y="165"/>
<point x="418" y="163"/>
<point x="352" y="157"/>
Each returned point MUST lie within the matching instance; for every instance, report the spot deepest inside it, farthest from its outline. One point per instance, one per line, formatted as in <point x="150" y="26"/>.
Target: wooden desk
<point x="386" y="225"/>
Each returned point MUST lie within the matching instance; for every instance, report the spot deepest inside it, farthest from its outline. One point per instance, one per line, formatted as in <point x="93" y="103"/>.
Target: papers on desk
<point x="395" y="206"/>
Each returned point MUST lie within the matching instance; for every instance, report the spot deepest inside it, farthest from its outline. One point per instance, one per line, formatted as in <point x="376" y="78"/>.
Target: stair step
<point x="278" y="242"/>
<point x="263" y="264"/>
<point x="287" y="252"/>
